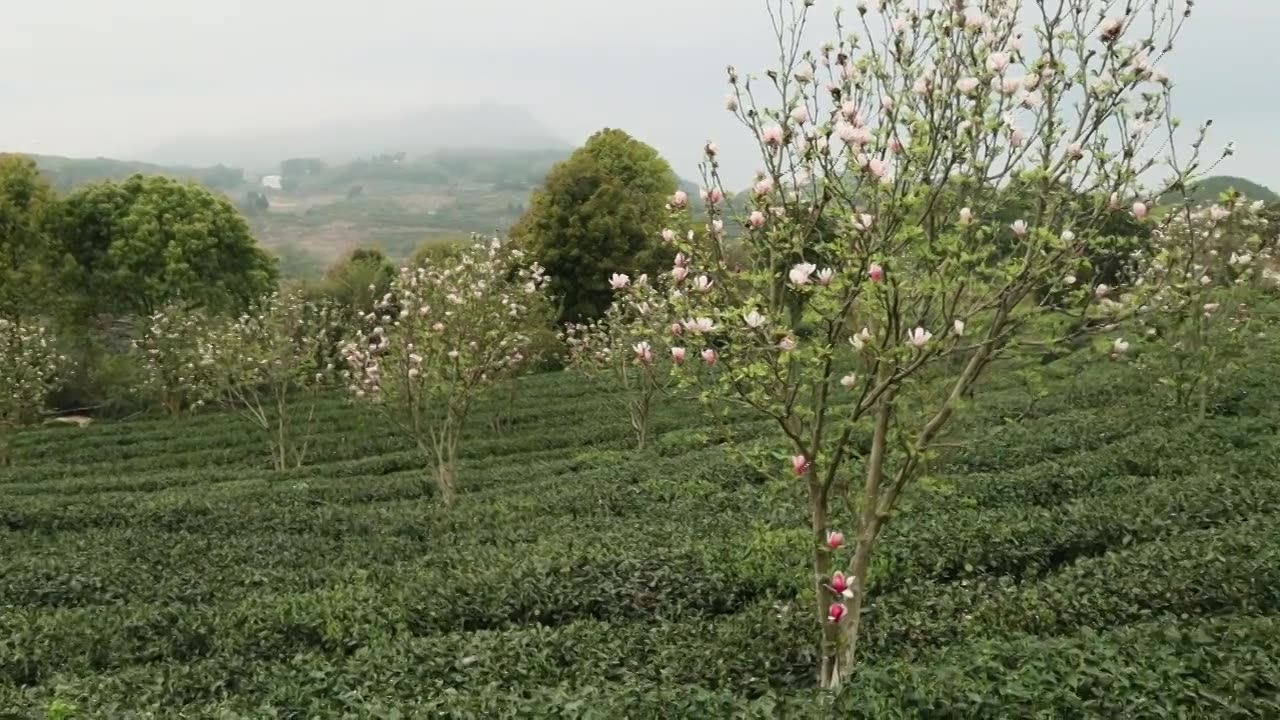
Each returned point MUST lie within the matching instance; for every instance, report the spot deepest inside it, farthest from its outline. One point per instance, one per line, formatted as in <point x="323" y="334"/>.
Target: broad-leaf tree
<point x="599" y="210"/>
<point x="29" y="258"/>
<point x="145" y="242"/>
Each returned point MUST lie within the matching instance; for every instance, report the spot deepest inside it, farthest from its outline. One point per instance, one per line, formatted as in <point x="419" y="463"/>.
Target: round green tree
<point x="145" y="242"/>
<point x="28" y="259"/>
<point x="601" y="209"/>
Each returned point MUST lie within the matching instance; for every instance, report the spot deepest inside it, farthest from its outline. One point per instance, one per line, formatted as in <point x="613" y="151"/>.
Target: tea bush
<point x="1095" y="555"/>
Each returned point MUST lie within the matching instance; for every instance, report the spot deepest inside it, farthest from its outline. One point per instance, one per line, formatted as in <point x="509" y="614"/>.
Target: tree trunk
<point x="830" y="636"/>
<point x="446" y="469"/>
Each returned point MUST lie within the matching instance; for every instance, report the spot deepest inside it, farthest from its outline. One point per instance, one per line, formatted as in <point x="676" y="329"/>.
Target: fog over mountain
<point x="423" y="131"/>
<point x="221" y="80"/>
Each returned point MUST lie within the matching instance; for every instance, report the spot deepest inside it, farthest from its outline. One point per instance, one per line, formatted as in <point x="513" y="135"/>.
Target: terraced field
<point x="1089" y="555"/>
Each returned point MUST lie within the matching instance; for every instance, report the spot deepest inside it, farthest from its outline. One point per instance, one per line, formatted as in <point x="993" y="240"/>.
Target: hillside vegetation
<point x="1088" y="555"/>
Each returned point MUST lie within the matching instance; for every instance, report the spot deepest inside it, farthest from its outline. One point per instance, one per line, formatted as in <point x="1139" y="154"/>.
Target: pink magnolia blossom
<point x="1074" y="151"/>
<point x="1019" y="228"/>
<point x="644" y="352"/>
<point x="787" y="344"/>
<point x="1139" y="210"/>
<point x="835" y="539"/>
<point x="438" y="327"/>
<point x="997" y="62"/>
<point x="895" y="145"/>
<point x="966" y="215"/>
<point x="974" y="20"/>
<point x="676" y="329"/>
<point x="799" y="464"/>
<point x="756" y="220"/>
<point x="801" y="273"/>
<point x="875" y="272"/>
<point x="1119" y="347"/>
<point x="1010" y="85"/>
<point x="712" y="149"/>
<point x="863" y="221"/>
<point x="680" y="199"/>
<point x="677" y="355"/>
<point x="1109" y="29"/>
<point x="618" y="281"/>
<point x="668" y="236"/>
<point x="681" y="260"/>
<point x="754" y="320"/>
<point x="837" y="612"/>
<point x="849" y="109"/>
<point x="679" y="273"/>
<point x="968" y="85"/>
<point x="800" y="114"/>
<point x="772" y="136"/>
<point x="877" y="168"/>
<point x="1101" y="291"/>
<point x="886" y="103"/>
<point x="849" y="381"/>
<point x="1017" y="137"/>
<point x="709" y="356"/>
<point x="699" y="326"/>
<point x="840" y="584"/>
<point x="957" y="327"/>
<point x="919" y="337"/>
<point x="825" y="276"/>
<point x="859" y="339"/>
<point x="713" y="196"/>
<point x="764" y="186"/>
<point x="731" y="103"/>
<point x="702" y="283"/>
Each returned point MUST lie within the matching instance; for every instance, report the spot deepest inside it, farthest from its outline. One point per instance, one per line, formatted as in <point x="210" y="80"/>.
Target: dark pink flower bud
<point x="837" y="612"/>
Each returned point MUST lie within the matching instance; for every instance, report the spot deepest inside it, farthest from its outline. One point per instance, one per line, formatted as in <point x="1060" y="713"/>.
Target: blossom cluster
<point x="177" y="353"/>
<point x="30" y="365"/>
<point x="448" y="325"/>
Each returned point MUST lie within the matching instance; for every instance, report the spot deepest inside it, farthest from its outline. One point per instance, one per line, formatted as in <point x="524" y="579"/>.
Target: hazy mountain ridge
<point x="424" y="131"/>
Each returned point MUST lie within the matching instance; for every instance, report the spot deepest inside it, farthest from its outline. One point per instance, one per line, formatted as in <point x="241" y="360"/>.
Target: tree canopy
<point x="599" y="210"/>
<point x="147" y="241"/>
<point x="28" y="258"/>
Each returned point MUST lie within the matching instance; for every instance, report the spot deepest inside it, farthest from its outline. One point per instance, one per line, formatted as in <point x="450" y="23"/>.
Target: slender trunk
<point x="869" y="521"/>
<point x="821" y="577"/>
<point x="446" y="472"/>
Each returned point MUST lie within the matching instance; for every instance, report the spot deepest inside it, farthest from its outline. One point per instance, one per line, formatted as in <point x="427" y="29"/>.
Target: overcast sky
<point x="111" y="77"/>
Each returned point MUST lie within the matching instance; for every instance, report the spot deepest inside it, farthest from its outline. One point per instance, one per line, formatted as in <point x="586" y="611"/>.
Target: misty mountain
<point x="493" y="127"/>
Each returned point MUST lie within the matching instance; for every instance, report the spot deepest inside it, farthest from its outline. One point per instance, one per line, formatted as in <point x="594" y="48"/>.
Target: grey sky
<point x="110" y="77"/>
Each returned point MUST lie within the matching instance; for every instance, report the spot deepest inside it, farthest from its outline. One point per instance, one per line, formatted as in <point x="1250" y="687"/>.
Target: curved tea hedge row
<point x="1088" y="555"/>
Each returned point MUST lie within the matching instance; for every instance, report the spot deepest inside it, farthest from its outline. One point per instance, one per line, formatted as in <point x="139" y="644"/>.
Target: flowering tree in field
<point x="936" y="187"/>
<point x="447" y="329"/>
<point x="636" y="345"/>
<point x="1206" y="269"/>
<point x="176" y="353"/>
<point x="29" y="368"/>
<point x="271" y="365"/>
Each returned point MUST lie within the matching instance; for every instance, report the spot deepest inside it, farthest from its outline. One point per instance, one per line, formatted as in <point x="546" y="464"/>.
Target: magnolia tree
<point x="1206" y="267"/>
<point x="271" y="365"/>
<point x="176" y="356"/>
<point x="934" y="183"/>
<point x="446" y="330"/>
<point x="29" y="365"/>
<point x="636" y="345"/>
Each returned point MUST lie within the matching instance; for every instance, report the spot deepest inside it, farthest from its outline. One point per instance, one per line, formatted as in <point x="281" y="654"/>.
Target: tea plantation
<point x="1093" y="554"/>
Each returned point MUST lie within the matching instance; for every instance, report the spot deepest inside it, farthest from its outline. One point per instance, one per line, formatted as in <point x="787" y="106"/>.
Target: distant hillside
<point x="483" y="126"/>
<point x="1210" y="188"/>
<point x="66" y="174"/>
<point x="394" y="201"/>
